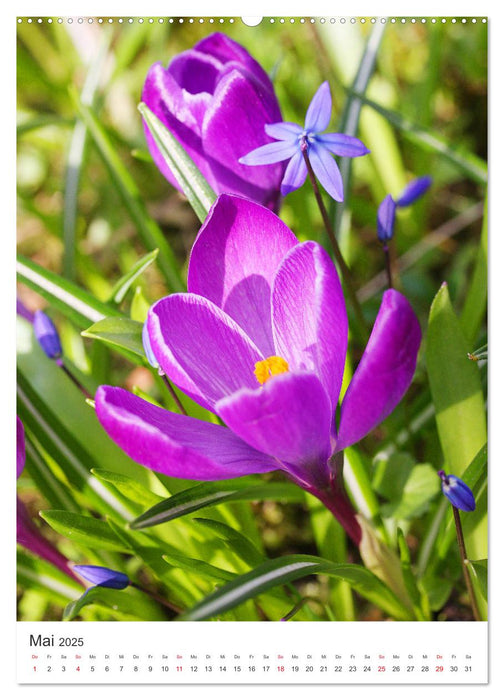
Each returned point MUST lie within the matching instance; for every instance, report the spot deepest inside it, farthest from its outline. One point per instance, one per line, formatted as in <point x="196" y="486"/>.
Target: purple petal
<point x="384" y="372"/>
<point x="234" y="126"/>
<point x="225" y="50"/>
<point x="20" y="447"/>
<point x="386" y="219"/>
<point x="284" y="131"/>
<point x="295" y="173"/>
<point x="288" y="418"/>
<point x="327" y="172"/>
<point x="234" y="260"/>
<point x="414" y="190"/>
<point x="173" y="444"/>
<point x="270" y="153"/>
<point x="101" y="576"/>
<point x="318" y="114"/>
<point x="195" y="71"/>
<point x="201" y="349"/>
<point x="182" y="117"/>
<point x="343" y="145"/>
<point x="310" y="325"/>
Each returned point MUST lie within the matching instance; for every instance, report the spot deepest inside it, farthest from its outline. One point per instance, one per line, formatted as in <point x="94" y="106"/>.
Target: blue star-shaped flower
<point x="292" y="139"/>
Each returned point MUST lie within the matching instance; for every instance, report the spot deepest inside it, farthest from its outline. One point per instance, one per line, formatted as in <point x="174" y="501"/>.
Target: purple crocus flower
<point x="101" y="576"/>
<point x="292" y="139"/>
<point x="387" y="210"/>
<point x="260" y="339"/>
<point x="28" y="535"/>
<point x="457" y="492"/>
<point x="216" y="99"/>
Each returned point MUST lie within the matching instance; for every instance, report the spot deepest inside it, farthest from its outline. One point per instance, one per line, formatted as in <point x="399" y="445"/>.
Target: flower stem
<point x="74" y="379"/>
<point x="344" y="269"/>
<point x="388" y="266"/>
<point x="463" y="555"/>
<point x="157" y="598"/>
<point x="174" y="395"/>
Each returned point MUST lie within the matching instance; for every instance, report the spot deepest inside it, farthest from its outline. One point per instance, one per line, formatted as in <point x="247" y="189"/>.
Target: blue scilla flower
<point x="101" y="576"/>
<point x="47" y="335"/>
<point x="385" y="220"/>
<point x="457" y="492"/>
<point x="292" y="140"/>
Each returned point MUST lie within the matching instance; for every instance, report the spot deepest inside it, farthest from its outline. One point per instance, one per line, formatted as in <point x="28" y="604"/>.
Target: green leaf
<point x="130" y="488"/>
<point x="75" y="303"/>
<point x="199" y="567"/>
<point x="122" y="286"/>
<point x="455" y="387"/>
<point x="233" y="539"/>
<point x="213" y="493"/>
<point x="289" y="568"/>
<point x="147" y="228"/>
<point x="119" y="332"/>
<point x="420" y="604"/>
<point x="463" y="160"/>
<point x="35" y="572"/>
<point x="195" y="187"/>
<point x="474" y="309"/>
<point x="479" y="572"/>
<point x="121" y="604"/>
<point x="83" y="529"/>
<point x="409" y="487"/>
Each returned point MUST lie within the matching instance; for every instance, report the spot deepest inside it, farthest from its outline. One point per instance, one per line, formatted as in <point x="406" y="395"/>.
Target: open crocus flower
<point x="260" y="339"/>
<point x="292" y="139"/>
<point x="216" y="99"/>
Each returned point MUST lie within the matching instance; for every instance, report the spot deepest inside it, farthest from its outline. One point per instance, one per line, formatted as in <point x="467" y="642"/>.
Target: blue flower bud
<point x="386" y="219"/>
<point x="47" y="335"/>
<point x="149" y="353"/>
<point x="457" y="492"/>
<point x="101" y="576"/>
<point x="414" y="190"/>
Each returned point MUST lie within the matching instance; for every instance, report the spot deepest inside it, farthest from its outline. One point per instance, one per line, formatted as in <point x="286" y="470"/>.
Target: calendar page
<point x="251" y="333"/>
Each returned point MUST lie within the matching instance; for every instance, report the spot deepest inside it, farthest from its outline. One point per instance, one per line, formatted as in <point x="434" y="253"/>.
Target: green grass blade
<point x="475" y="305"/>
<point x="147" y="228"/>
<point x="289" y="568"/>
<point x="75" y="303"/>
<point x="195" y="187"/>
<point x="212" y="494"/>
<point x="121" y="287"/>
<point x="466" y="162"/>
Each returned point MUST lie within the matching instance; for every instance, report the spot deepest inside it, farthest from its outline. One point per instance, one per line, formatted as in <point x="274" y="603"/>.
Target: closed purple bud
<point x="457" y="492"/>
<point x="101" y="576"/>
<point x="47" y="335"/>
<point x="216" y="100"/>
<point x="414" y="190"/>
<point x="386" y="219"/>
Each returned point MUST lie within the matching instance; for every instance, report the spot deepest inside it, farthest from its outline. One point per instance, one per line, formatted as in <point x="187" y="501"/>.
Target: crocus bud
<point x="47" y="335"/>
<point x="414" y="190"/>
<point x="386" y="219"/>
<point x="216" y="100"/>
<point x="101" y="576"/>
<point x="457" y="492"/>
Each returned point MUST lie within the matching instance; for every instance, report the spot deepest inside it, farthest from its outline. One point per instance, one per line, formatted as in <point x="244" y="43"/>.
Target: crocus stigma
<point x="291" y="139"/>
